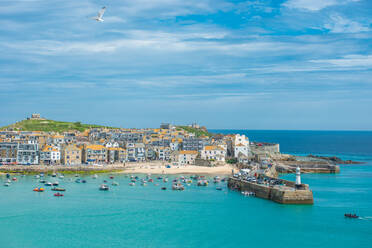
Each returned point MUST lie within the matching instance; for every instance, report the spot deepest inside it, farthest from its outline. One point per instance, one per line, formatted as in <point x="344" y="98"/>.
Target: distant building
<point x="50" y="155"/>
<point x="35" y="116"/>
<point x="28" y="154"/>
<point x="8" y="152"/>
<point x="192" y="144"/>
<point x="165" y="126"/>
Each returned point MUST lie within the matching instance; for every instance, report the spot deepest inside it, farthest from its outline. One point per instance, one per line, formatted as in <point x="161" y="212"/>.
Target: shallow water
<point x="147" y="216"/>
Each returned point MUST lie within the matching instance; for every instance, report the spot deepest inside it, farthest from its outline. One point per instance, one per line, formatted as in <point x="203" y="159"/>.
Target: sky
<point x="279" y="64"/>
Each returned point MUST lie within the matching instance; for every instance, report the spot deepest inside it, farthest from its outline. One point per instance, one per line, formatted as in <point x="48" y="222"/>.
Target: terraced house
<point x="94" y="154"/>
<point x="71" y="155"/>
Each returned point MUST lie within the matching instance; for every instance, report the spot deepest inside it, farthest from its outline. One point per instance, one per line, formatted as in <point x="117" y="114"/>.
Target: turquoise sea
<point x="147" y="216"/>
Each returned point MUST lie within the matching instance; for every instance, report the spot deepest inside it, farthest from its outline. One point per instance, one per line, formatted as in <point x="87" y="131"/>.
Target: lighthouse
<point x="298" y="177"/>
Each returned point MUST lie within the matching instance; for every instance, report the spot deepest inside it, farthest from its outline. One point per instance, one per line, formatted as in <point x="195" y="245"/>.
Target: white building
<point x="184" y="157"/>
<point x="216" y="153"/>
<point x="241" y="145"/>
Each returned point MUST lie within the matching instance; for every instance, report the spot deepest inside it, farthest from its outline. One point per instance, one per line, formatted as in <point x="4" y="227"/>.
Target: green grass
<point x="198" y="132"/>
<point x="51" y="126"/>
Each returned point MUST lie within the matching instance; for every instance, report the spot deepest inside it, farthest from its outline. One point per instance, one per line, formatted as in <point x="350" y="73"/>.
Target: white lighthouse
<point x="298" y="176"/>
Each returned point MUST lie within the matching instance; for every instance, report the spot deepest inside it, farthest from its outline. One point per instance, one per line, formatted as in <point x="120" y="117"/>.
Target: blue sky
<point x="292" y="64"/>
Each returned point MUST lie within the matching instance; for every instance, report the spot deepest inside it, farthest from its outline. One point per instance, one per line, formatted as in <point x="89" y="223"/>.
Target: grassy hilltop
<point x="50" y="126"/>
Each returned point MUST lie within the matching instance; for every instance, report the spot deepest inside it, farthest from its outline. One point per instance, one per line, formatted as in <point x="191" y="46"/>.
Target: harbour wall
<point x="285" y="195"/>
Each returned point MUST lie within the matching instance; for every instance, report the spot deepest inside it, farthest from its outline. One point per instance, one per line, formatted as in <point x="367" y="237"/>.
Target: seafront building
<point x="176" y="145"/>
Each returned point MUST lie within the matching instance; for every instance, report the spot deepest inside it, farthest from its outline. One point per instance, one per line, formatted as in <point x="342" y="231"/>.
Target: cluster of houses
<point x="108" y="146"/>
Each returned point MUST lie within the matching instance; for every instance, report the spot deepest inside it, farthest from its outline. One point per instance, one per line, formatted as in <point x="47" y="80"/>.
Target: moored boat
<point x="104" y="187"/>
<point x="6" y="184"/>
<point x="55" y="183"/>
<point x="58" y="189"/>
<point x="132" y="184"/>
<point x="115" y="183"/>
<point x="38" y="189"/>
<point x="58" y="194"/>
<point x="48" y="184"/>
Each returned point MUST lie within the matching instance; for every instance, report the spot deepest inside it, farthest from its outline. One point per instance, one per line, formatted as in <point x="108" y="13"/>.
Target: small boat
<point x="77" y="180"/>
<point x="151" y="180"/>
<point x="95" y="176"/>
<point x="353" y="216"/>
<point x="105" y="181"/>
<point x="132" y="184"/>
<point x="159" y="178"/>
<point x="115" y="183"/>
<point x="8" y="181"/>
<point x="83" y="181"/>
<point x="6" y="184"/>
<point x="37" y="176"/>
<point x="165" y="180"/>
<point x="104" y="187"/>
<point x="202" y="183"/>
<point x="76" y="175"/>
<point x="42" y="181"/>
<point x="38" y="189"/>
<point x="58" y="189"/>
<point x="144" y="184"/>
<point x="55" y="183"/>
<point x="54" y="175"/>
<point x="164" y="188"/>
<point x="178" y="186"/>
<point x="111" y="177"/>
<point x="218" y="188"/>
<point x="247" y="193"/>
<point x="58" y="194"/>
<point x="61" y="176"/>
<point x="133" y="180"/>
<point x="48" y="184"/>
<point x="7" y="175"/>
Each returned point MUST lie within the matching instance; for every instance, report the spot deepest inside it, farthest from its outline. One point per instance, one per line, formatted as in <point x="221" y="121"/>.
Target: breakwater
<point x="284" y="191"/>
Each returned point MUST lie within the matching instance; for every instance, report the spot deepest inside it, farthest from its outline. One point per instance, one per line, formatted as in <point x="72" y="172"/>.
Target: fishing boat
<point x="104" y="187"/>
<point x="58" y="194"/>
<point x="115" y="183"/>
<point x="8" y="181"/>
<point x="58" y="189"/>
<point x="38" y="189"/>
<point x="165" y="180"/>
<point x="7" y="175"/>
<point x="48" y="184"/>
<point x="14" y="179"/>
<point x="353" y="216"/>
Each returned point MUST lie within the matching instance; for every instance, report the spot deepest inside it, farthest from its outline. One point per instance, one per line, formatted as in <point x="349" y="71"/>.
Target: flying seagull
<point x="98" y="18"/>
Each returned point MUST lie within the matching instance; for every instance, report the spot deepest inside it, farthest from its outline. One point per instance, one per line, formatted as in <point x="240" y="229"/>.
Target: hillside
<point x="50" y="126"/>
<point x="197" y="131"/>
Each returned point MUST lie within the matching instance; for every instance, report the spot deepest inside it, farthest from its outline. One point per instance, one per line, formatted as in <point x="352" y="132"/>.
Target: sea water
<point x="146" y="216"/>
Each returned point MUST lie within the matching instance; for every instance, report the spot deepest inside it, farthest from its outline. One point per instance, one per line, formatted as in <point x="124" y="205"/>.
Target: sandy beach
<point x="156" y="167"/>
<point x="188" y="169"/>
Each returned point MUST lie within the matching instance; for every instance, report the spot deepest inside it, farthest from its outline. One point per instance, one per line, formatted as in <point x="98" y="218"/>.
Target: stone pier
<point x="284" y="194"/>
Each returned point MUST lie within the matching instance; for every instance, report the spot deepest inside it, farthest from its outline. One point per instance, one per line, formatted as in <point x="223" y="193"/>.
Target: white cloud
<point x="314" y="5"/>
<point x="339" y="24"/>
<point x="348" y="61"/>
